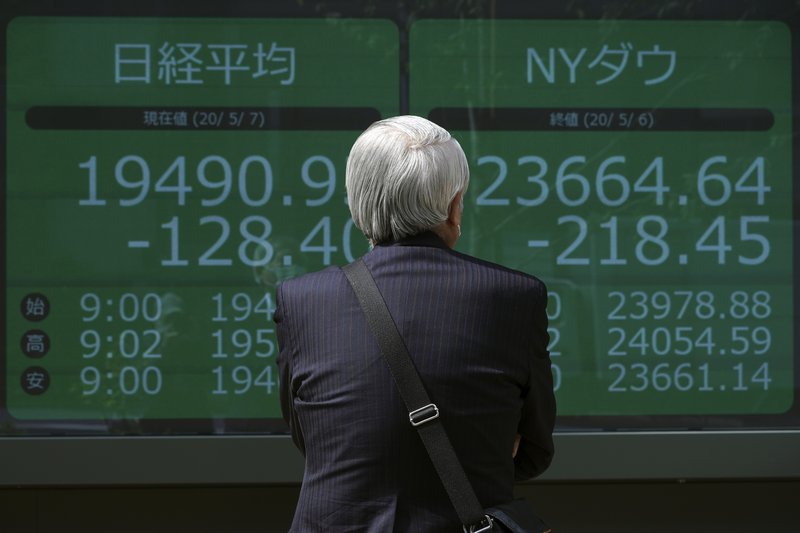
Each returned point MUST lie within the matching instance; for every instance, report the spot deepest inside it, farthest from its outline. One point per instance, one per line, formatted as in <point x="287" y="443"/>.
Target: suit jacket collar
<point x="426" y="238"/>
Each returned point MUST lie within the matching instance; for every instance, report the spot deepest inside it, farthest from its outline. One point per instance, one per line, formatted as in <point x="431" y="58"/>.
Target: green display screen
<point x="643" y="170"/>
<point x="164" y="174"/>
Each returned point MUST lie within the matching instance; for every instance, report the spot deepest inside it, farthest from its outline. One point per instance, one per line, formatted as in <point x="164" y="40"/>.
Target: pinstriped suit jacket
<point x="477" y="333"/>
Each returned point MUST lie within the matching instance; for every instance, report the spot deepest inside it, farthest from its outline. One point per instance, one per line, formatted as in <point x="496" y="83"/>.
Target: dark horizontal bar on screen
<point x="158" y="118"/>
<point x="602" y="119"/>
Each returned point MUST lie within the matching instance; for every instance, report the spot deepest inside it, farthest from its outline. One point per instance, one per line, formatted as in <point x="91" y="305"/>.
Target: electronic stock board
<point x="163" y="174"/>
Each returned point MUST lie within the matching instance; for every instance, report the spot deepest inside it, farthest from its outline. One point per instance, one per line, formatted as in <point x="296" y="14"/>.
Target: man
<point x="476" y="331"/>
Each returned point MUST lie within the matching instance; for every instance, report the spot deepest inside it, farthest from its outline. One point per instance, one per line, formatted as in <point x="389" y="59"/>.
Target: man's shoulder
<point x="503" y="272"/>
<point x="325" y="275"/>
<point x="312" y="282"/>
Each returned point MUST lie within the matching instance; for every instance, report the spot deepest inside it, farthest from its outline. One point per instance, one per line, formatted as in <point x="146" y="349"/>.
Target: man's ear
<point x="456" y="207"/>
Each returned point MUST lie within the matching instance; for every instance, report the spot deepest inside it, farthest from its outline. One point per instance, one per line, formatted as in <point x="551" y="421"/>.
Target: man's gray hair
<point x="402" y="175"/>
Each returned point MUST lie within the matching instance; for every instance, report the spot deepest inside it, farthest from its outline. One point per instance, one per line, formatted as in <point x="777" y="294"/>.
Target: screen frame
<point x="244" y="459"/>
<point x="241" y="460"/>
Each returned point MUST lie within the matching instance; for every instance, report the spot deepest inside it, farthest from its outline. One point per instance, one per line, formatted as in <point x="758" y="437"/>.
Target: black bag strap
<point x="423" y="414"/>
